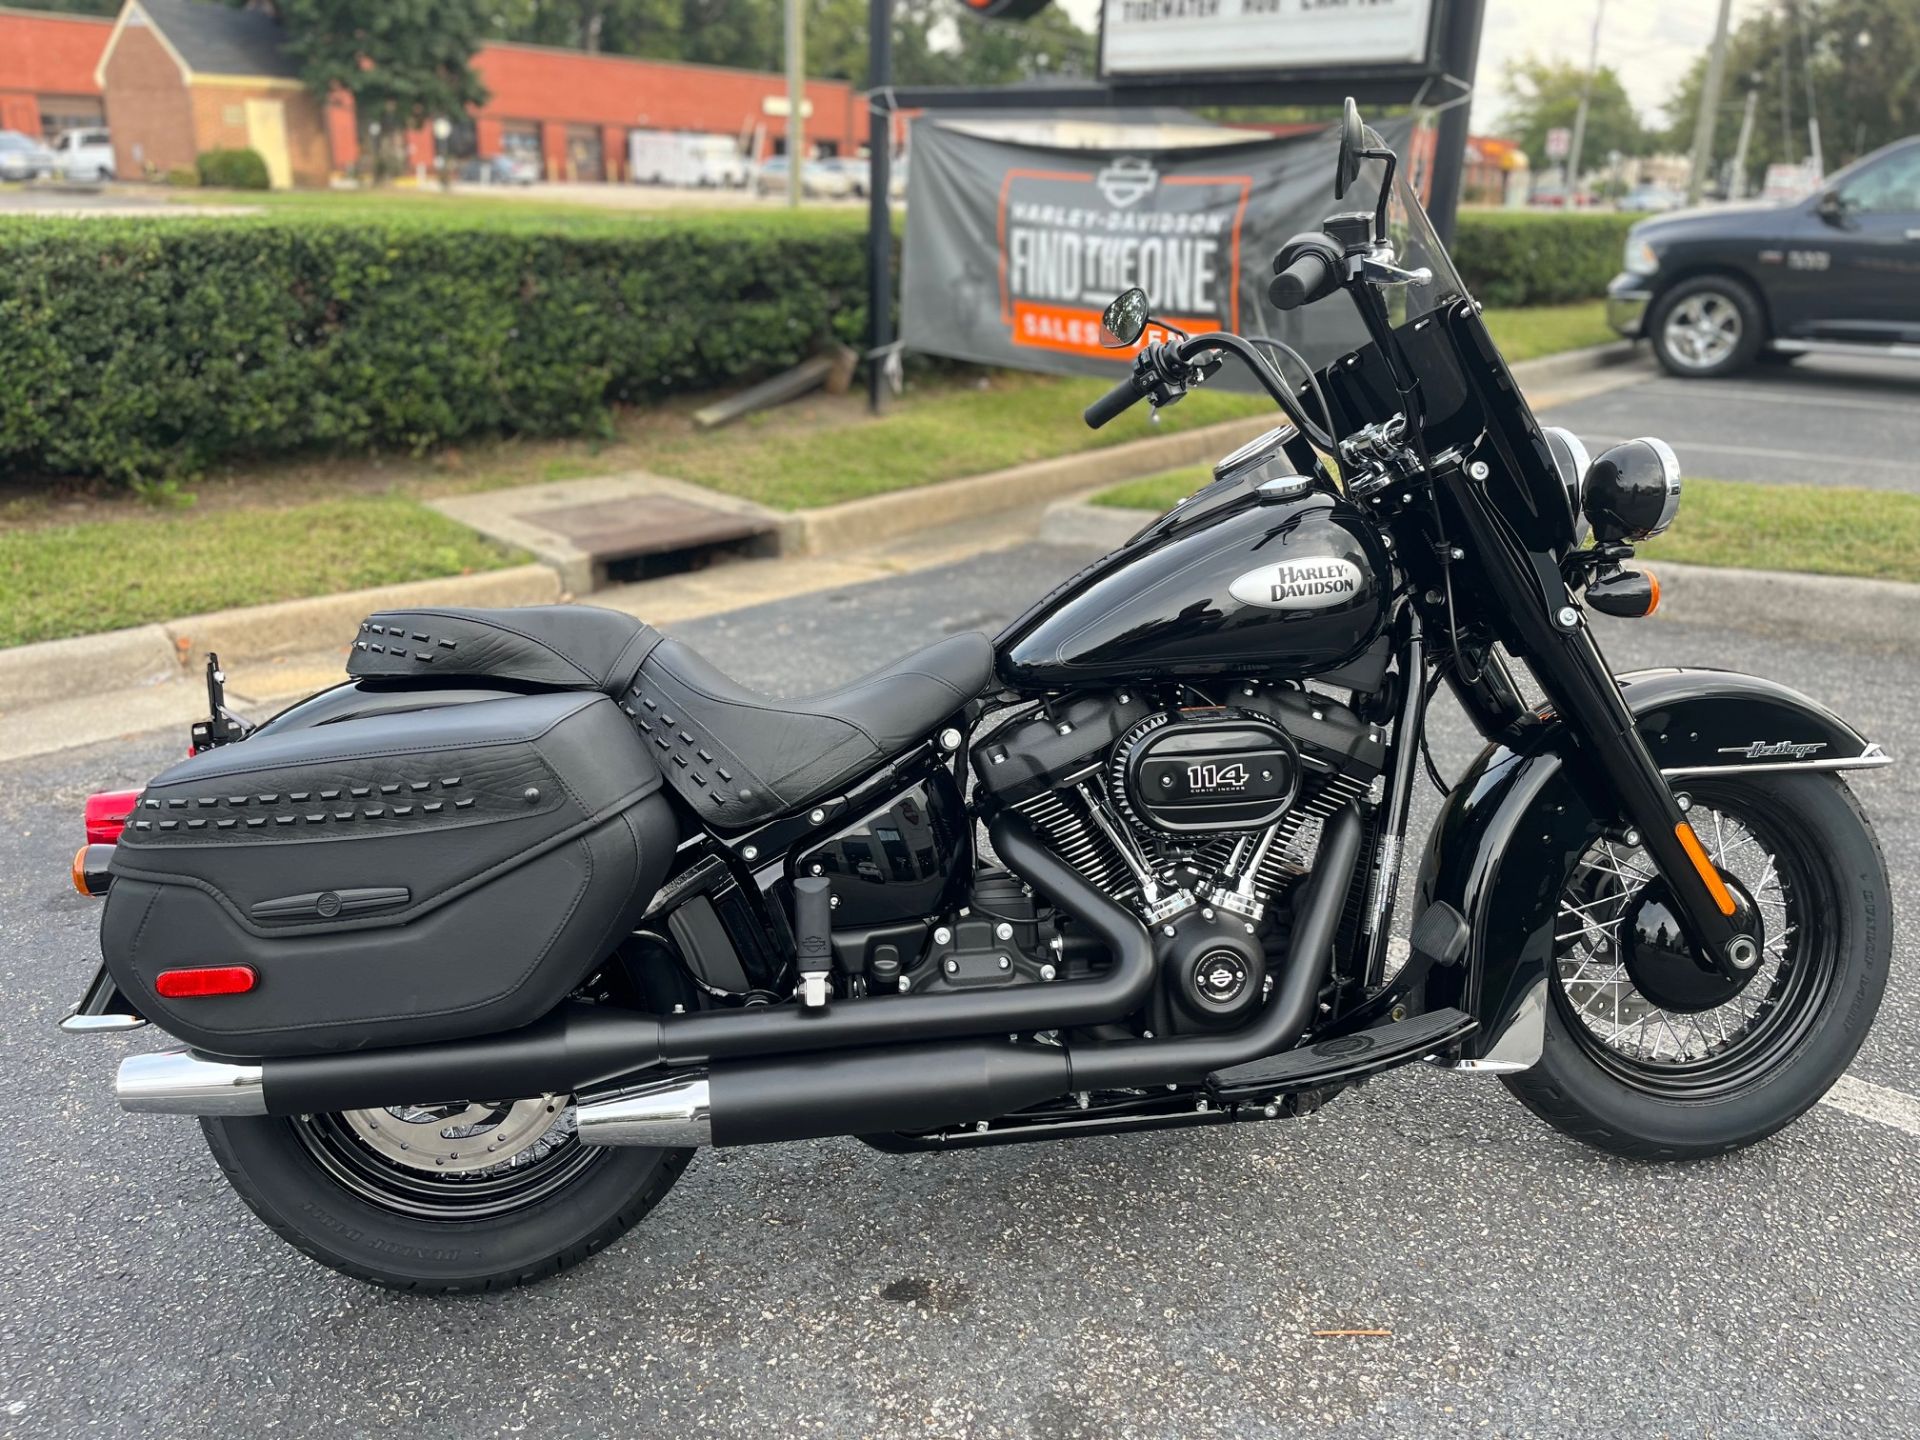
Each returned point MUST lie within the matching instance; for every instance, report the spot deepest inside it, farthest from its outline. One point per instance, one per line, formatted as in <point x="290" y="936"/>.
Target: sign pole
<point x="796" y="97"/>
<point x="1459" y="58"/>
<point x="879" y="205"/>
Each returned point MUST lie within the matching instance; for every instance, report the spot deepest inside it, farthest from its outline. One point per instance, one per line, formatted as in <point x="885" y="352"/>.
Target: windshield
<point x="1331" y="329"/>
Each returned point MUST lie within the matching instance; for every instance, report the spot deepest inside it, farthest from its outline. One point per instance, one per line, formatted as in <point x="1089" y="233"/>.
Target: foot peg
<point x="813" y="938"/>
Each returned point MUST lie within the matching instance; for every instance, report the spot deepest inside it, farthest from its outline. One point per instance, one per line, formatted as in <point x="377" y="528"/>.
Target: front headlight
<point x="1632" y="491"/>
<point x="1641" y="258"/>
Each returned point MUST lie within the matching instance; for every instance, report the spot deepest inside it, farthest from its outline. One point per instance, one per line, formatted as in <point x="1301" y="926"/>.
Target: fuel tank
<point x="1285" y="583"/>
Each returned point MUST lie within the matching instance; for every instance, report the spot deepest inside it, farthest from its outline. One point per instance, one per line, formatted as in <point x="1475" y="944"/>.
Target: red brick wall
<point x="220" y="123"/>
<point x="562" y="87"/>
<point x="148" y="107"/>
<point x="45" y="55"/>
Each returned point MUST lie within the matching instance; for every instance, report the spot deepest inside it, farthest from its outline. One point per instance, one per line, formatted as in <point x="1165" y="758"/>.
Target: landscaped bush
<point x="140" y="349"/>
<point x="183" y="176"/>
<point x="1510" y="257"/>
<point x="234" y="169"/>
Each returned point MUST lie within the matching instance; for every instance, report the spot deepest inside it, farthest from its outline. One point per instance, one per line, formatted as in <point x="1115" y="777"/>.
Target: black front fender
<point x="1516" y="823"/>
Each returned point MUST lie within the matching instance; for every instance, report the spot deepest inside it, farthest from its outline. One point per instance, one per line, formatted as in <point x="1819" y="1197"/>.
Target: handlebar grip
<point x="1112" y="404"/>
<point x="1309" y="278"/>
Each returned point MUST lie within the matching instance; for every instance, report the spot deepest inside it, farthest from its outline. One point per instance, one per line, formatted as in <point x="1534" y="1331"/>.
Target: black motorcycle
<point x="470" y="953"/>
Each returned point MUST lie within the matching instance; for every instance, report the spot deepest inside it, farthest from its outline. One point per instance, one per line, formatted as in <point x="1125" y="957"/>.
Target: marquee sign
<point x="1157" y="38"/>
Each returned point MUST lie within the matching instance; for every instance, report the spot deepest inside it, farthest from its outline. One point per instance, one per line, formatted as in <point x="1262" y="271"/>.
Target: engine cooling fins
<point x="1344" y="1057"/>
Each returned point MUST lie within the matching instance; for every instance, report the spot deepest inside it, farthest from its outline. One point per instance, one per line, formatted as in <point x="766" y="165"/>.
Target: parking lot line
<point x="1868" y="1101"/>
<point x="1763" y="452"/>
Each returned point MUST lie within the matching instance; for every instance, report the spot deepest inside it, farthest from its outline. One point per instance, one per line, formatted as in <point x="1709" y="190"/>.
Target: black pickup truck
<point x="1716" y="290"/>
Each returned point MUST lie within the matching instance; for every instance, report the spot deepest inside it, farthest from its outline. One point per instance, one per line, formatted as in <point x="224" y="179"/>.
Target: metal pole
<point x="879" y="205"/>
<point x="1459" y="58"/>
<point x="1586" y="99"/>
<point x="1815" y="152"/>
<point x="1709" y="107"/>
<point x="1737" y="186"/>
<point x="796" y="97"/>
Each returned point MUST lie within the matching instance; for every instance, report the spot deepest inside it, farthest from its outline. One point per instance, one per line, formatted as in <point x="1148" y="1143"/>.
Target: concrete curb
<point x="1834" y="609"/>
<point x="150" y="654"/>
<point x="882" y="517"/>
<point x="1571" y="363"/>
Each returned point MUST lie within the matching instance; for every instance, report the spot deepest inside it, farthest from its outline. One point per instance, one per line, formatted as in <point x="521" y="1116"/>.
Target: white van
<point x="672" y="157"/>
<point x="83" y="156"/>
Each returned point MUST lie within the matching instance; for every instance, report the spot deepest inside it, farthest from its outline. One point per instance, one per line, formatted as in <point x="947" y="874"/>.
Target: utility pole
<point x="879" y="201"/>
<point x="1814" y="152"/>
<point x="1737" y="186"/>
<point x="1586" y="99"/>
<point x="1709" y="107"/>
<point x="796" y="97"/>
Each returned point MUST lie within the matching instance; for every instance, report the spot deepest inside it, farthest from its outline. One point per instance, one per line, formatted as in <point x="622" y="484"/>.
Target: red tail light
<point x="209" y="980"/>
<point x="108" y="813"/>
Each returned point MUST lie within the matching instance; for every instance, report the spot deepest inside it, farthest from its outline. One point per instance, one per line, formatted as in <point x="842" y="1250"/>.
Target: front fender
<point x="1522" y="816"/>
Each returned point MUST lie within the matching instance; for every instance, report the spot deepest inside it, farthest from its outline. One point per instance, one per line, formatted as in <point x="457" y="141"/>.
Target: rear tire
<point x="1821" y="993"/>
<point x="381" y="1222"/>
<point x="1707" y="327"/>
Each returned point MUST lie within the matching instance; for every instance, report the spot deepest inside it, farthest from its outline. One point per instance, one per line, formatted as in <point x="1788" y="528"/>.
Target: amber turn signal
<point x="90" y="875"/>
<point x="1629" y="594"/>
<point x="1709" y="872"/>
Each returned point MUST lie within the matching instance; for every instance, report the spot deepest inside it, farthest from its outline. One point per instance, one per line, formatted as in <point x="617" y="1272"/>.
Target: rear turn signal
<point x="108" y="813"/>
<point x="90" y="863"/>
<point x="1629" y="594"/>
<point x="209" y="980"/>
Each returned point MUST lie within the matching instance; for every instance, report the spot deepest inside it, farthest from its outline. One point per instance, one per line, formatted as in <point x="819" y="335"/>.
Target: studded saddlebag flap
<point x="393" y="879"/>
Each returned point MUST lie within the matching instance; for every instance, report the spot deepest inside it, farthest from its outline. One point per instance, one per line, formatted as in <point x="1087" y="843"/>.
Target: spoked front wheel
<point x="1648" y="1054"/>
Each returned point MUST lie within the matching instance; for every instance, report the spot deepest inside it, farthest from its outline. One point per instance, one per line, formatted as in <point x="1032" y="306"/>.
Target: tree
<point x="404" y="62"/>
<point x="70" y="7"/>
<point x="1865" y="64"/>
<point x="1544" y="95"/>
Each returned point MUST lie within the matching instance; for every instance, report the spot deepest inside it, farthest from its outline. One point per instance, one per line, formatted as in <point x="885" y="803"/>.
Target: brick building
<point x="174" y="78"/>
<point x="47" y="84"/>
<point x="182" y="77"/>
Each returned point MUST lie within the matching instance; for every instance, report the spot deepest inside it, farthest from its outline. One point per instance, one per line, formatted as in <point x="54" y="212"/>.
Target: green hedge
<point x="143" y="349"/>
<point x="149" y="348"/>
<point x="234" y="169"/>
<point x="1510" y="257"/>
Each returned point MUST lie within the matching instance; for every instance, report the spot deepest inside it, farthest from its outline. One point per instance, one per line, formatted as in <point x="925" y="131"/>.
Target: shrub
<point x="1517" y="257"/>
<point x="183" y="176"/>
<point x="234" y="169"/>
<point x="142" y="349"/>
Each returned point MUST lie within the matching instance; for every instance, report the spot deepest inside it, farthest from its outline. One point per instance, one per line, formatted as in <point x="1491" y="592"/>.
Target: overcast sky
<point x="1650" y="42"/>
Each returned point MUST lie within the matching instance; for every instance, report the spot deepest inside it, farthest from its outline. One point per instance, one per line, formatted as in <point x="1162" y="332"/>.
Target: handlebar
<point x="1310" y="276"/>
<point x="1113" y="404"/>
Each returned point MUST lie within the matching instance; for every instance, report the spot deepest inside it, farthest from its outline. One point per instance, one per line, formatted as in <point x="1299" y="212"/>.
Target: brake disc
<point x="458" y="1139"/>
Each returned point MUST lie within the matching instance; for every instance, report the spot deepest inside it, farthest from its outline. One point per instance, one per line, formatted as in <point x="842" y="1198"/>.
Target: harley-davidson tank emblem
<point x="1298" y="584"/>
<point x="1775" y="749"/>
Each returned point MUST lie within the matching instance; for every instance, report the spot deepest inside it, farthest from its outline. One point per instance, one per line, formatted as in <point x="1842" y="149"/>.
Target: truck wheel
<point x="1707" y="327"/>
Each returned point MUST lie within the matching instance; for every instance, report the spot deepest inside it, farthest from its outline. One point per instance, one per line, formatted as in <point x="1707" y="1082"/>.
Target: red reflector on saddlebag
<point x="210" y="980"/>
<point x="108" y="813"/>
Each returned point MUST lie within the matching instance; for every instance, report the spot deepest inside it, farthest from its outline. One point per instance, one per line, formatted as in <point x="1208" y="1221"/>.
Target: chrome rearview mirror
<point x="1124" y="321"/>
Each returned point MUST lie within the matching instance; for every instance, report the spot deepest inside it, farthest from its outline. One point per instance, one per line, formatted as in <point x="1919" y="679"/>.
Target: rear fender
<point x="1519" y="819"/>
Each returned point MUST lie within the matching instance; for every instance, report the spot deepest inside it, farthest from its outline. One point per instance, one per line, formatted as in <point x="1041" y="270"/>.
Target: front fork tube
<point x="1574" y="674"/>
<point x="1408" y="728"/>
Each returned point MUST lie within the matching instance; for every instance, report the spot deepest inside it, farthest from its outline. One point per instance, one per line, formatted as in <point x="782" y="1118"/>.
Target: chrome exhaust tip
<point x="669" y="1113"/>
<point x="178" y="1082"/>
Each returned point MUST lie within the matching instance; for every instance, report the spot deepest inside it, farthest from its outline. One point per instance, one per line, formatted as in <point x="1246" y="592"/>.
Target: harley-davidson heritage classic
<point x="469" y="954"/>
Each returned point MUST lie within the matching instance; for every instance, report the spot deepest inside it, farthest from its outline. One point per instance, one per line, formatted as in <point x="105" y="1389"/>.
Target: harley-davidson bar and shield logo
<point x="1317" y="584"/>
<point x="1070" y="240"/>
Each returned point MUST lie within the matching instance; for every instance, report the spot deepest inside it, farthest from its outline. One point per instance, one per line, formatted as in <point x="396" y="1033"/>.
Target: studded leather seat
<point x="737" y="756"/>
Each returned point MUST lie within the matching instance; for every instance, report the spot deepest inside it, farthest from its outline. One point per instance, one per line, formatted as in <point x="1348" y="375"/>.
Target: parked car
<point x="858" y="172"/>
<point x="84" y="156"/>
<point x="22" y="157"/>
<point x="817" y="182"/>
<point x="1653" y="199"/>
<point x="1839" y="272"/>
<point x="502" y="170"/>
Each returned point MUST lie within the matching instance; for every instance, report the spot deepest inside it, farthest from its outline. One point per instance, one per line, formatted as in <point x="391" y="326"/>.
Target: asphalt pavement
<point x="1154" y="1285"/>
<point x="1818" y="421"/>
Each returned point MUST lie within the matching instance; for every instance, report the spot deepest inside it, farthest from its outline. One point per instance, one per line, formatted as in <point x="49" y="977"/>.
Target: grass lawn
<point x="78" y="579"/>
<point x="1535" y="330"/>
<point x="1823" y="529"/>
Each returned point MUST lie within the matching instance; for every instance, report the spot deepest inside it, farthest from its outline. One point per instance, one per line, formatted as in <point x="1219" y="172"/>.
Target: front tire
<point x="344" y="1191"/>
<point x="1707" y="327"/>
<point x="1629" y="1077"/>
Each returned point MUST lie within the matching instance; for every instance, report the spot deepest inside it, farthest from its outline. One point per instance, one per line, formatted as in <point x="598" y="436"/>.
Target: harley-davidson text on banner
<point x="1013" y="249"/>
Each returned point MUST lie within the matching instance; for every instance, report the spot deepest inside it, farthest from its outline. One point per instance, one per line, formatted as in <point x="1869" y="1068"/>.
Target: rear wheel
<point x="443" y="1197"/>
<point x="1648" y="1055"/>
